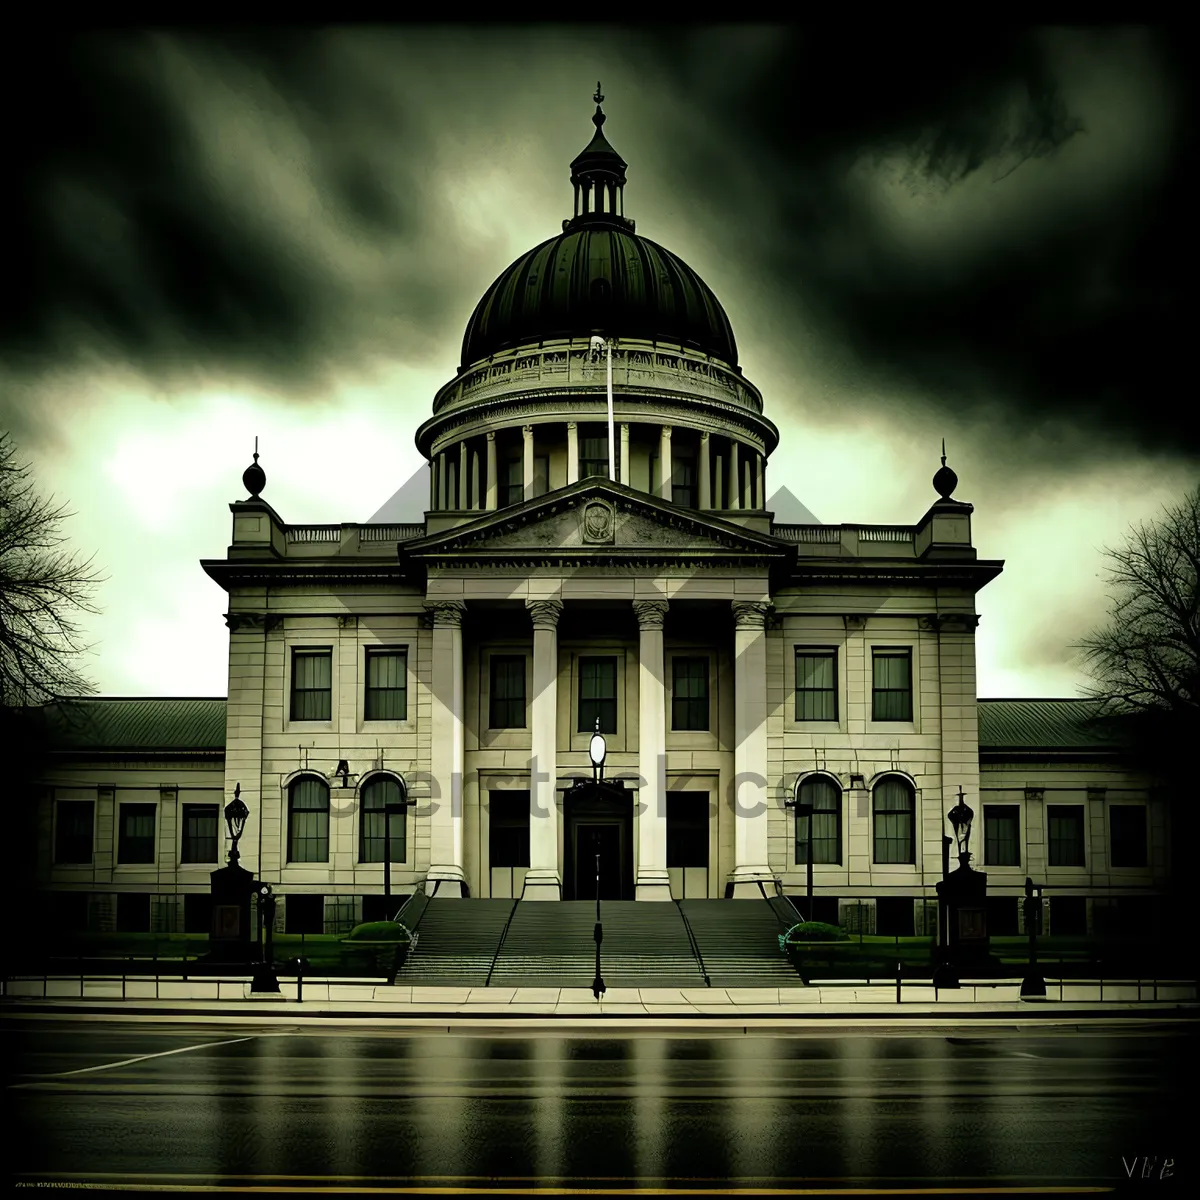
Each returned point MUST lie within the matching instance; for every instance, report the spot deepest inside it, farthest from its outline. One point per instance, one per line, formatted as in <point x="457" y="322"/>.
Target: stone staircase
<point x="456" y="943"/>
<point x="739" y="940"/>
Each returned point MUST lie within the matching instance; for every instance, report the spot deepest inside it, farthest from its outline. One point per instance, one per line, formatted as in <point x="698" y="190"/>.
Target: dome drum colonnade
<point x="526" y="413"/>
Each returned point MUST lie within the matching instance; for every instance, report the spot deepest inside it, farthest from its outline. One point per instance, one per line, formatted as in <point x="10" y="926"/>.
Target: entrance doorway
<point x="598" y="820"/>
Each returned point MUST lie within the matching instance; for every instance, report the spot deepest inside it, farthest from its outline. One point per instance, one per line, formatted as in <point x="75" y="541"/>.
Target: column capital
<point x="750" y="614"/>
<point x="572" y="425"/>
<point x="447" y="612"/>
<point x="490" y="435"/>
<point x="545" y="613"/>
<point x="704" y="436"/>
<point x="666" y="431"/>
<point x="650" y="613"/>
<point x="527" y="431"/>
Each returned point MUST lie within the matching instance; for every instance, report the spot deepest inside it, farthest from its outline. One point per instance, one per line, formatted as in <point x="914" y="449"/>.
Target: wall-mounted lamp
<point x="343" y="769"/>
<point x="857" y="781"/>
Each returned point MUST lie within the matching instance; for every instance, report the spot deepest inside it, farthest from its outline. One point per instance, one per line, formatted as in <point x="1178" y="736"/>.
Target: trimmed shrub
<point x="812" y="931"/>
<point x="379" y="931"/>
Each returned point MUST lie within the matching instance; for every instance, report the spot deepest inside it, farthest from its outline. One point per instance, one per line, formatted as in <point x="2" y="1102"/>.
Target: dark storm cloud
<point x="1072" y="314"/>
<point x="272" y="207"/>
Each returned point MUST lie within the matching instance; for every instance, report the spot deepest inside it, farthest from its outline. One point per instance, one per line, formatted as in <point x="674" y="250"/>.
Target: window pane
<point x="1127" y="825"/>
<point x="825" y="797"/>
<point x="816" y="685"/>
<point x="892" y="691"/>
<point x="311" y="684"/>
<point x="894" y="805"/>
<point x="73" y="831"/>
<point x="372" y="828"/>
<point x="387" y="686"/>
<point x="308" y="821"/>
<point x="507" y="697"/>
<point x="593" y="456"/>
<point x="1001" y="846"/>
<point x="199" y="833"/>
<point x="136" y="839"/>
<point x="689" y="702"/>
<point x="598" y="694"/>
<point x="1065" y="833"/>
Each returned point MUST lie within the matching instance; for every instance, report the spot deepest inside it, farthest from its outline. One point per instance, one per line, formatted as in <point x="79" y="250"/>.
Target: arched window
<point x="378" y="795"/>
<point x="895" y="810"/>
<point x="826" y="798"/>
<point x="308" y="820"/>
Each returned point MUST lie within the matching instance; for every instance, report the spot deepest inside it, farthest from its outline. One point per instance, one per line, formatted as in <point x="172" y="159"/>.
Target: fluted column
<point x="761" y="460"/>
<point x="623" y="472"/>
<point x="719" y="495"/>
<point x="462" y="475"/>
<point x="543" y="880"/>
<point x="750" y="751"/>
<point x="653" y="883"/>
<point x="493" y="482"/>
<point x="735" y="475"/>
<point x="705" y="482"/>
<point x="446" y="751"/>
<point x="432" y="483"/>
<point x="572" y="453"/>
<point x="665" y="490"/>
<point x="527" y="434"/>
<point x="476" y="497"/>
<point x="441" y="460"/>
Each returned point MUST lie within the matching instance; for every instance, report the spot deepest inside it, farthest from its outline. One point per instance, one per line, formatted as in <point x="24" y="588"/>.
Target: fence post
<point x="898" y="966"/>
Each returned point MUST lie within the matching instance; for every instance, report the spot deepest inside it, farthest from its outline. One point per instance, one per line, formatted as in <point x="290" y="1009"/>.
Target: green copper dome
<point x="598" y="276"/>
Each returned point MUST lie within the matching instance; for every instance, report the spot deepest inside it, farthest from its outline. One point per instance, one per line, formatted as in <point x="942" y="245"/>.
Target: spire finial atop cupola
<point x="945" y="481"/>
<point x="254" y="478"/>
<point x="598" y="175"/>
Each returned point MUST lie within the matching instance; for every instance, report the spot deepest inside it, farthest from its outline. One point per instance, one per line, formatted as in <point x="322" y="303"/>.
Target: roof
<point x="1043" y="725"/>
<point x="152" y="725"/>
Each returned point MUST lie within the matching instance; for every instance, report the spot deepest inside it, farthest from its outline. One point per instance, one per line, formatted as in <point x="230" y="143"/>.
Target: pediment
<point x="601" y="520"/>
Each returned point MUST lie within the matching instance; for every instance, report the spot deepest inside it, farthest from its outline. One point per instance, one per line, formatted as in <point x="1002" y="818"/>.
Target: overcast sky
<point x="221" y="236"/>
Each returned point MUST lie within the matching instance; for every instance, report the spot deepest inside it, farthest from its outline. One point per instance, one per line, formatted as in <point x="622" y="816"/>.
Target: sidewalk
<point x="367" y="998"/>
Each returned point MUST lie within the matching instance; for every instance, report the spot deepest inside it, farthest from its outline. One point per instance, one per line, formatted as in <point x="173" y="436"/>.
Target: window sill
<point x="893" y="727"/>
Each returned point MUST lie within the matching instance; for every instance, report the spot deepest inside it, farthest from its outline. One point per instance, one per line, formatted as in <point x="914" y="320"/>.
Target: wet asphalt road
<point x="244" y="1105"/>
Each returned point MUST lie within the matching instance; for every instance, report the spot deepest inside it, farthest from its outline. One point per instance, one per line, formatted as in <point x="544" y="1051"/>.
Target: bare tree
<point x="1146" y="661"/>
<point x="42" y="588"/>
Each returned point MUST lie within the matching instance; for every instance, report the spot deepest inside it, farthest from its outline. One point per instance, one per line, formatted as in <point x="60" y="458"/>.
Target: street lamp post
<point x="264" y="978"/>
<point x="597" y="749"/>
<point x="1033" y="986"/>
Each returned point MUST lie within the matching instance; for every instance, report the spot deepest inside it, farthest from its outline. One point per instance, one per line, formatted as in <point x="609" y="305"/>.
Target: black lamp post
<point x="1033" y="986"/>
<point x="264" y="979"/>
<point x="960" y="817"/>
<point x="805" y="810"/>
<point x="596" y="752"/>
<point x="236" y="813"/>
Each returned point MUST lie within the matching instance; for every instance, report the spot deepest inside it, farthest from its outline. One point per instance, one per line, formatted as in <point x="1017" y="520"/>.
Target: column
<point x="705" y="482"/>
<point x="719" y="497"/>
<point x="462" y="474"/>
<point x="735" y="475"/>
<point x="432" y="483"/>
<point x="652" y="881"/>
<point x="572" y="453"/>
<point x="445" y="875"/>
<point x="761" y="460"/>
<point x="623" y="470"/>
<point x="476" y="498"/>
<point x="493" y="488"/>
<point x="527" y="434"/>
<point x="442" y="480"/>
<point x="543" y="880"/>
<point x="664" y="464"/>
<point x="750" y="752"/>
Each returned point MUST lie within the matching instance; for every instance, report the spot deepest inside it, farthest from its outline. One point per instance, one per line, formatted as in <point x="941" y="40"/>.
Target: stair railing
<point x="512" y="912"/>
<point x="694" y="944"/>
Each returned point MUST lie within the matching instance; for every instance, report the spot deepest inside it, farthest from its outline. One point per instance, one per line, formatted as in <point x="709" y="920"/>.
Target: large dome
<point x="599" y="276"/>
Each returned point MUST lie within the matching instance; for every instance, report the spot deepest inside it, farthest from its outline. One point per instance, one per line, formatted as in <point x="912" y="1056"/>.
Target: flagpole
<point x="612" y="471"/>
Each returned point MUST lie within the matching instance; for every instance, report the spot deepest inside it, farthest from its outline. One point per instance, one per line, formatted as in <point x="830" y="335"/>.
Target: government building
<point x="598" y="554"/>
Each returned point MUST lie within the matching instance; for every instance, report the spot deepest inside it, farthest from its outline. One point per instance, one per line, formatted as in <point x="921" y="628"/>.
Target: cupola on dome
<point x="598" y="276"/>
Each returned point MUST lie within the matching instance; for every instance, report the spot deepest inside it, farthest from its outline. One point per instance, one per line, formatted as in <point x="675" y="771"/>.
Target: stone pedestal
<point x="230" y="937"/>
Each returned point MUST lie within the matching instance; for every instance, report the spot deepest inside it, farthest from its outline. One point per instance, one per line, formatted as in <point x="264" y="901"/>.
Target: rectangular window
<point x="512" y="477"/>
<point x="689" y="694"/>
<point x="826" y="800"/>
<point x="593" y="456"/>
<point x="200" y="833"/>
<point x="135" y="841"/>
<point x="506" y="695"/>
<point x="598" y="694"/>
<point x="133" y="912"/>
<point x="683" y="481"/>
<point x="1065" y="834"/>
<point x="308" y="821"/>
<point x="1001" y="835"/>
<point x="1127" y="833"/>
<point x="73" y="832"/>
<point x="508" y="829"/>
<point x="892" y="698"/>
<point x="895" y="806"/>
<point x="387" y="685"/>
<point x="304" y="914"/>
<point x="687" y="829"/>
<point x="312" y="684"/>
<point x="816" y="684"/>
